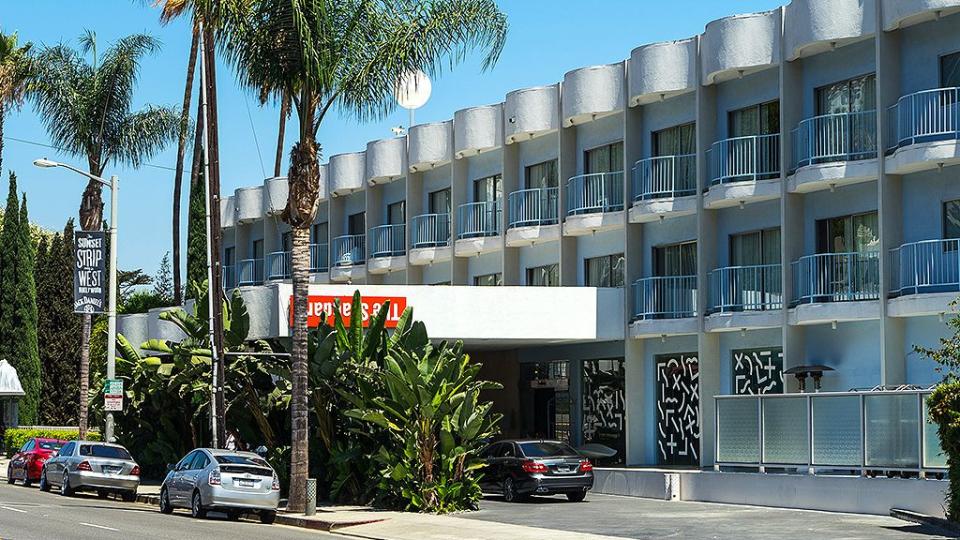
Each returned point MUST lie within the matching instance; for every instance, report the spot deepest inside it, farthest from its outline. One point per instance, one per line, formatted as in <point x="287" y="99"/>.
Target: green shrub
<point x="944" y="407"/>
<point x="13" y="438"/>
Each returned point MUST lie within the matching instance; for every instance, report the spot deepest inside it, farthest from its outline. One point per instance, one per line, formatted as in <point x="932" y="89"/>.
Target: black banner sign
<point x="89" y="273"/>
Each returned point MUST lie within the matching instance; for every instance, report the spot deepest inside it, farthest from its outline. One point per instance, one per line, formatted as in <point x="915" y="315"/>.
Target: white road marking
<point x="98" y="526"/>
<point x="14" y="509"/>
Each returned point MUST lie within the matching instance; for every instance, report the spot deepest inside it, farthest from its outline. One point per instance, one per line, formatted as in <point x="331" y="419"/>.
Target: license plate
<point x="561" y="469"/>
<point x="112" y="470"/>
<point x="246" y="483"/>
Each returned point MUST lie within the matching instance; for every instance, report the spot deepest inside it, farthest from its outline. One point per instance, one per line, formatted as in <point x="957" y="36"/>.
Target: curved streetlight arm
<point x="48" y="163"/>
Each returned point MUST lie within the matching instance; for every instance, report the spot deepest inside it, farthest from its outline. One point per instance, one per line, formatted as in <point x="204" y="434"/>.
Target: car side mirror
<point x="171" y="467"/>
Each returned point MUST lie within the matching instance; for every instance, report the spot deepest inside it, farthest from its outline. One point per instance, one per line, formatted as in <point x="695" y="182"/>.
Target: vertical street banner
<point x="89" y="272"/>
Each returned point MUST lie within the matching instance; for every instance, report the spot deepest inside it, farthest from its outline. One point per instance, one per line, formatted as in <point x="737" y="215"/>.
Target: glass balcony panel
<point x="743" y="159"/>
<point x="430" y="230"/>
<point x="835" y="137"/>
<point x="387" y="241"/>
<point x="931" y="115"/>
<point x="593" y="193"/>
<point x="933" y="456"/>
<point x="533" y="207"/>
<point x="837" y="277"/>
<point x="348" y="250"/>
<point x="665" y="177"/>
<point x="836" y="430"/>
<point x="785" y="431"/>
<point x="892" y="426"/>
<point x="930" y="266"/>
<point x="746" y="288"/>
<point x="671" y="297"/>
<point x="319" y="257"/>
<point x="478" y="219"/>
<point x="738" y="430"/>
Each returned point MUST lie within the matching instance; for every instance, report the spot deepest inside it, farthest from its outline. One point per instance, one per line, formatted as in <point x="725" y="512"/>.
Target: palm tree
<point x="348" y="55"/>
<point x="85" y="108"/>
<point x="15" y="66"/>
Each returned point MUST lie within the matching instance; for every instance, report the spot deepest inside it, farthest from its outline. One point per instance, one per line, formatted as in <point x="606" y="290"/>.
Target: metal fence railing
<point x="531" y="207"/>
<point x="278" y="265"/>
<point x="835" y="137"/>
<point x="388" y="241"/>
<point x="595" y="192"/>
<point x="931" y="115"/>
<point x="664" y="177"/>
<point x="250" y="272"/>
<point x="478" y="219"/>
<point x="348" y="250"/>
<point x="229" y="277"/>
<point x="670" y="297"/>
<point x="430" y="230"/>
<point x="925" y="267"/>
<point x="746" y="288"/>
<point x="741" y="159"/>
<point x="319" y="258"/>
<point x="836" y="277"/>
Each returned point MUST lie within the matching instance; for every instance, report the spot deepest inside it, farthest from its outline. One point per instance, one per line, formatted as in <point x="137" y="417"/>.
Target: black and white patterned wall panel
<point x="604" y="399"/>
<point x="678" y="409"/>
<point x="758" y="371"/>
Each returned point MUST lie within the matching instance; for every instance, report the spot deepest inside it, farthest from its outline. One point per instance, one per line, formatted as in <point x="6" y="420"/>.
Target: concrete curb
<point x="950" y="527"/>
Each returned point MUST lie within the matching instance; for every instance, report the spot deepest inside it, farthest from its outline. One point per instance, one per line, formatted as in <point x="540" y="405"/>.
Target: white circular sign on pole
<point x="412" y="91"/>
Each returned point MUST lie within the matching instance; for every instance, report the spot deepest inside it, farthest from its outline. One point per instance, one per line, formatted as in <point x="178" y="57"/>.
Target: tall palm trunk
<point x="284" y="112"/>
<point x="3" y="110"/>
<point x="178" y="175"/>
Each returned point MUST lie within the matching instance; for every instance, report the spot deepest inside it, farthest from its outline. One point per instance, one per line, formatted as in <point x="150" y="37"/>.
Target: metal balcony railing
<point x="229" y="277"/>
<point x="348" y="250"/>
<point x="931" y="115"/>
<point x="865" y="431"/>
<point x="250" y="272"/>
<point x="478" y="219"/>
<point x="835" y="137"/>
<point x="430" y="230"/>
<point x="670" y="297"/>
<point x="594" y="193"/>
<point x="319" y="258"/>
<point x="664" y="177"/>
<point x="744" y="159"/>
<point x="836" y="277"/>
<point x="930" y="266"/>
<point x="531" y="207"/>
<point x="387" y="241"/>
<point x="278" y="265"/>
<point x="746" y="288"/>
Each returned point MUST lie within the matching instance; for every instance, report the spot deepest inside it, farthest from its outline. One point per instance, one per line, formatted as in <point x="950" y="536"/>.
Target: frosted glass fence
<point x="878" y="431"/>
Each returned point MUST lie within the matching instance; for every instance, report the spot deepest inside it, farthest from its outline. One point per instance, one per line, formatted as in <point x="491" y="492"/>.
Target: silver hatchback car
<point x="224" y="481"/>
<point x="88" y="466"/>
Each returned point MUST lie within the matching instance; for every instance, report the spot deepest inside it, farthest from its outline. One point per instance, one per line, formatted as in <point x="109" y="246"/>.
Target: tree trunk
<point x="2" y="112"/>
<point x="178" y="174"/>
<point x="284" y="112"/>
<point x="299" y="407"/>
<point x="84" y="374"/>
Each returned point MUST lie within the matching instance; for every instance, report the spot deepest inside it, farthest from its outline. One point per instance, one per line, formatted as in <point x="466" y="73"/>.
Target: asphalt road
<point x="27" y="513"/>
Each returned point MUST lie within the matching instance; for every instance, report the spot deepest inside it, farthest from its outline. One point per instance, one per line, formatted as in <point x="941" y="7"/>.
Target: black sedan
<point x="518" y="469"/>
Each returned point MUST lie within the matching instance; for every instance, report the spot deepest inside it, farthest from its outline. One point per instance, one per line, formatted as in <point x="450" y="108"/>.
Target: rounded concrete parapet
<point x="385" y="160"/>
<point x="530" y="112"/>
<point x="740" y="44"/>
<point x="430" y="145"/>
<point x="814" y="26"/>
<point x="158" y="329"/>
<point x="228" y="212"/>
<point x="135" y="327"/>
<point x="274" y="195"/>
<point x="477" y="129"/>
<point x="346" y="172"/>
<point x="592" y="91"/>
<point x="662" y="69"/>
<point x="249" y="202"/>
<point x="900" y="13"/>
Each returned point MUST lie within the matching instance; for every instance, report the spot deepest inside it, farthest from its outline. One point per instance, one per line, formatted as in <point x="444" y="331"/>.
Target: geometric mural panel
<point x="758" y="371"/>
<point x="604" y="411"/>
<point x="678" y="409"/>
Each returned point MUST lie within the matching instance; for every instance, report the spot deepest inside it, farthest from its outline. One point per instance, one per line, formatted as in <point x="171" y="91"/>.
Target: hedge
<point x="13" y="438"/>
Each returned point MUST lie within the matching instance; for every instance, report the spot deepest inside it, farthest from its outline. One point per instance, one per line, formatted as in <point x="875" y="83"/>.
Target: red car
<point x="28" y="462"/>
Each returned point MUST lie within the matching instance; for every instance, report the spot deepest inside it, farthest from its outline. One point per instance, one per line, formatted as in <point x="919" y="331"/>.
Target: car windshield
<point x="104" y="451"/>
<point x="546" y="449"/>
<point x="50" y="445"/>
<point x="234" y="459"/>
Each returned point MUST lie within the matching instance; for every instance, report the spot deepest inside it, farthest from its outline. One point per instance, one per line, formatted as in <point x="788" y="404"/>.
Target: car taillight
<point x="534" y="467"/>
<point x="585" y="465"/>
<point x="84" y="466"/>
<point x="276" y="483"/>
<point x="135" y="471"/>
<point x="214" y="477"/>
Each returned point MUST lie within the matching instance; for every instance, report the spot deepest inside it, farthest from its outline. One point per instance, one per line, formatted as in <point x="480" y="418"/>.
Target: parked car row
<point x="204" y="480"/>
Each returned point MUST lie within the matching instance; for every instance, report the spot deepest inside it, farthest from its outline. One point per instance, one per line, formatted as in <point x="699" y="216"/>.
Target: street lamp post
<point x="114" y="186"/>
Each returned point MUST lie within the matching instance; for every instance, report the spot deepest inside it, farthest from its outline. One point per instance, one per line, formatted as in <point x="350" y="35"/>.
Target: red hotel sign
<point x="324" y="305"/>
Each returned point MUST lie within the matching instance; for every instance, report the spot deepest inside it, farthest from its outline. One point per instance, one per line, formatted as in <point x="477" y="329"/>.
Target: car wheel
<point x="510" y="491"/>
<point x="102" y="494"/>
<point x="165" y="507"/>
<point x="576" y="496"/>
<point x="196" y="507"/>
<point x="44" y="485"/>
<point x="233" y="515"/>
<point x="128" y="496"/>
<point x="26" y="480"/>
<point x="65" y="488"/>
<point x="10" y="479"/>
<point x="267" y="517"/>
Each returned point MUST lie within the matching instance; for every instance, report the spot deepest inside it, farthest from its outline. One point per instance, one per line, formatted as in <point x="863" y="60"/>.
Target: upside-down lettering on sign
<point x="324" y="306"/>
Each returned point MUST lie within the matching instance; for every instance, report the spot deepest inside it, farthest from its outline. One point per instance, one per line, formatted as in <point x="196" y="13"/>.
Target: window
<point x="950" y="70"/>
<point x="50" y="445"/>
<point x="236" y="459"/>
<point x="356" y="224"/>
<point x="675" y="260"/>
<point x="490" y="451"/>
<point x="675" y="141"/>
<point x="397" y="213"/>
<point x="439" y="202"/>
<point x="257" y="250"/>
<point x="104" y="451"/>
<point x="848" y="234"/>
<point x="199" y="462"/>
<point x="286" y="241"/>
<point x="761" y="119"/>
<point x="607" y="158"/>
<point x="67" y="449"/>
<point x="441" y="283"/>
<point x="951" y="219"/>
<point x="488" y="280"/>
<point x="605" y="271"/>
<point x="853" y="95"/>
<point x="542" y="175"/>
<point x="506" y="450"/>
<point x="187" y="460"/>
<point x="319" y="234"/>
<point x="487" y="189"/>
<point x="229" y="256"/>
<point x="544" y="276"/>
<point x="546" y="449"/>
<point x="27" y="446"/>
<point x="755" y="248"/>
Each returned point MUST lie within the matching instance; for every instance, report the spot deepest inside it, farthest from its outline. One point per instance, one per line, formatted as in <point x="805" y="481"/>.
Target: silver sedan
<point x="88" y="466"/>
<point x="221" y="480"/>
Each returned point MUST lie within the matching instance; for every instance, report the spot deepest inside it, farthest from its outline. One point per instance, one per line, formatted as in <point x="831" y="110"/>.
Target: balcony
<point x="387" y="247"/>
<point x="664" y="306"/>
<point x="533" y="216"/>
<point x="594" y="203"/>
<point x="833" y="150"/>
<point x="664" y="186"/>
<point x="744" y="170"/>
<point x="429" y="239"/>
<point x="478" y="228"/>
<point x="348" y="254"/>
<point x="229" y="277"/>
<point x="925" y="130"/>
<point x="250" y="272"/>
<point x="278" y="265"/>
<point x="319" y="258"/>
<point x="925" y="277"/>
<point x="745" y="297"/>
<point x="830" y="287"/>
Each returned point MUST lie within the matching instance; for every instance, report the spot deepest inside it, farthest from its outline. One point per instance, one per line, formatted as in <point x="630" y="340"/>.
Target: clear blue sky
<point x="547" y="38"/>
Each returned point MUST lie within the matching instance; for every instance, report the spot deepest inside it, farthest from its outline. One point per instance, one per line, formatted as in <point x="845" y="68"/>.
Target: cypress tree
<point x="197" y="235"/>
<point x="47" y="413"/>
<point x="9" y="258"/>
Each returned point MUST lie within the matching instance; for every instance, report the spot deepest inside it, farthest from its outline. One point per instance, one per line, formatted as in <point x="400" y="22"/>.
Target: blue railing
<point x="319" y="257"/>
<point x="835" y="137"/>
<point x="670" y="297"/>
<point x="278" y="265"/>
<point x="929" y="266"/>
<point x="348" y="250"/>
<point x="931" y="115"/>
<point x="478" y="219"/>
<point x="387" y="241"/>
<point x="836" y="277"/>
<point x="229" y="277"/>
<point x="745" y="159"/>
<point x="664" y="177"/>
<point x="250" y="272"/>
<point x="430" y="230"/>
<point x="595" y="192"/>
<point x="530" y="207"/>
<point x="746" y="288"/>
